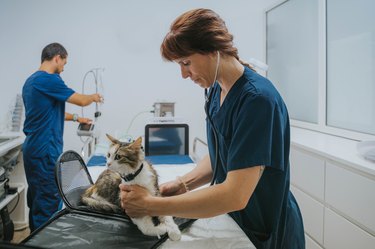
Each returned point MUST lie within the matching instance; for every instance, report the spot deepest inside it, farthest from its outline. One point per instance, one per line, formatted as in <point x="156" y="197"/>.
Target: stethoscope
<point x="208" y="99"/>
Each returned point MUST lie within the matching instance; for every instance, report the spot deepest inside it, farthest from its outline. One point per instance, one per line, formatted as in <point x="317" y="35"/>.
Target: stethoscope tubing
<point x="208" y="98"/>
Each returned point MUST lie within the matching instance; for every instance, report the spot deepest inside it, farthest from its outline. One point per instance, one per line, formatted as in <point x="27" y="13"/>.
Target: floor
<point x="20" y="235"/>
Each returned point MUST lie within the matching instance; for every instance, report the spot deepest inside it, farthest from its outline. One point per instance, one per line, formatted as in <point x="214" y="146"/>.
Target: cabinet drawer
<point x="340" y="233"/>
<point x="312" y="214"/>
<point x="352" y="194"/>
<point x="311" y="244"/>
<point x="307" y="172"/>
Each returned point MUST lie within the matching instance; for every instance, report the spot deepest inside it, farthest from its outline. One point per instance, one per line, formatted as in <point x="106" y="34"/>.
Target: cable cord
<point x="86" y="143"/>
<point x="83" y="85"/>
<point x="208" y="98"/>
<point x="18" y="200"/>
<point x="98" y="81"/>
<point x="206" y="108"/>
<point x="131" y="122"/>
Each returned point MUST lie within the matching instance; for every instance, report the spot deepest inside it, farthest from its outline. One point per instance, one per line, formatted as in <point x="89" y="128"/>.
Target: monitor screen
<point x="85" y="127"/>
<point x="166" y="139"/>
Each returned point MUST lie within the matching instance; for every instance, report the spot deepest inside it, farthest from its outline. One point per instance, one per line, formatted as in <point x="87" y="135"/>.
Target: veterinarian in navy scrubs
<point x="252" y="130"/>
<point x="44" y="94"/>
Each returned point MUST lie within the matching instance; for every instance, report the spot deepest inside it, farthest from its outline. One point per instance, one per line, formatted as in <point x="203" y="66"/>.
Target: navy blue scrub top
<point x="44" y="97"/>
<point x="253" y="129"/>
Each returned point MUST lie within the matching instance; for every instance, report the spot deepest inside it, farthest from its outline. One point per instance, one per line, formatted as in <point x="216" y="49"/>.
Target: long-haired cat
<point x="126" y="164"/>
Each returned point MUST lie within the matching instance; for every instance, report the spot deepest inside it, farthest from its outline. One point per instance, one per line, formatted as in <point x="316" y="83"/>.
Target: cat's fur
<point x="124" y="159"/>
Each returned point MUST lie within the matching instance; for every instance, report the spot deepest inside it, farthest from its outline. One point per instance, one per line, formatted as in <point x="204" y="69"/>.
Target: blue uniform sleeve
<point x="258" y="134"/>
<point x="53" y="86"/>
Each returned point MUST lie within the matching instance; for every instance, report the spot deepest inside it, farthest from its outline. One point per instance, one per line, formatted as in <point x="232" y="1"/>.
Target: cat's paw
<point x="174" y="235"/>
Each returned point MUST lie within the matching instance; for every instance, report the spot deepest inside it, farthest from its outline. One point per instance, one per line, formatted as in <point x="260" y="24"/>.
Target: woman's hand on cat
<point x="134" y="200"/>
<point x="172" y="188"/>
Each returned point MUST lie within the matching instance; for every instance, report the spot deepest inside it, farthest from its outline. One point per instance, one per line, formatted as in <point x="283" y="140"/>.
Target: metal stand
<point x="7" y="225"/>
<point x="92" y="138"/>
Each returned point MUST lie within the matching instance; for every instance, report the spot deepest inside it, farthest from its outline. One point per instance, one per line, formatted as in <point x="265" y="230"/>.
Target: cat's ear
<point x="112" y="139"/>
<point x="138" y="143"/>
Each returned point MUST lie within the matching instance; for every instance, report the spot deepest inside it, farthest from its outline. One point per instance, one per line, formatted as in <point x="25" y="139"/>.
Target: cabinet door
<point x="307" y="172"/>
<point x="311" y="244"/>
<point x="339" y="233"/>
<point x="351" y="194"/>
<point x="312" y="214"/>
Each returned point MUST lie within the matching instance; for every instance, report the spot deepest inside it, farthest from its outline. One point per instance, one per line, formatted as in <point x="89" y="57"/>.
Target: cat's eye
<point x="117" y="157"/>
<point x="108" y="155"/>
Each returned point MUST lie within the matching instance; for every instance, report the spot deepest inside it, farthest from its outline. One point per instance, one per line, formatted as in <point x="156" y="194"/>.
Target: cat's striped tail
<point x="100" y="204"/>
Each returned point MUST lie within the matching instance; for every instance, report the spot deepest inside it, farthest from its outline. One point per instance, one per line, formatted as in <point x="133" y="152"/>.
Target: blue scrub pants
<point x="43" y="198"/>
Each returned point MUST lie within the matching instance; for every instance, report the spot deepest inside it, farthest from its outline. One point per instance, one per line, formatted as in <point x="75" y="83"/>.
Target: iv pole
<point x="92" y="140"/>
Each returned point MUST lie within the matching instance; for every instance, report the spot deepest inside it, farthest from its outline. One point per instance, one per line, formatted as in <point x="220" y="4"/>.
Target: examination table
<point x="76" y="226"/>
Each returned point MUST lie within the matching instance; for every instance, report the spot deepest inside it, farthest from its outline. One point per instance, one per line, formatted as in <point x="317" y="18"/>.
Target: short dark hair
<point x="53" y="49"/>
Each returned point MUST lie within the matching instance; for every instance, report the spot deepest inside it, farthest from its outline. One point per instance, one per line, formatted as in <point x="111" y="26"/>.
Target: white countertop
<point x="336" y="148"/>
<point x="17" y="139"/>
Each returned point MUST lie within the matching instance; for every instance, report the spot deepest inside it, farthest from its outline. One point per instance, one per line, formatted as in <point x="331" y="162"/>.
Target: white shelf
<point x="9" y="198"/>
<point x="12" y="143"/>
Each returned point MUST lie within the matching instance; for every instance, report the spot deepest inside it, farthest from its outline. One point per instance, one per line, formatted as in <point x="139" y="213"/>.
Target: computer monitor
<point x="166" y="139"/>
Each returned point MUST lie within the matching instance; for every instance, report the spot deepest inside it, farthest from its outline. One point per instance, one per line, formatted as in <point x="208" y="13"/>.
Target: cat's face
<point x="122" y="156"/>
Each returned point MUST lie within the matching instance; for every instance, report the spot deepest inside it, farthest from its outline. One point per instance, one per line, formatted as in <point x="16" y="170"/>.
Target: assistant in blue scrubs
<point x="44" y="94"/>
<point x="253" y="129"/>
<point x="44" y="97"/>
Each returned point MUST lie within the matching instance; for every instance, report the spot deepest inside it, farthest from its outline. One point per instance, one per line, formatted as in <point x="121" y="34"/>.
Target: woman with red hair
<point x="248" y="137"/>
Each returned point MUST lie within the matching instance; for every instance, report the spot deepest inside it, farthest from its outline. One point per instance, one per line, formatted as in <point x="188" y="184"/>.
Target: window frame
<point x="321" y="125"/>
